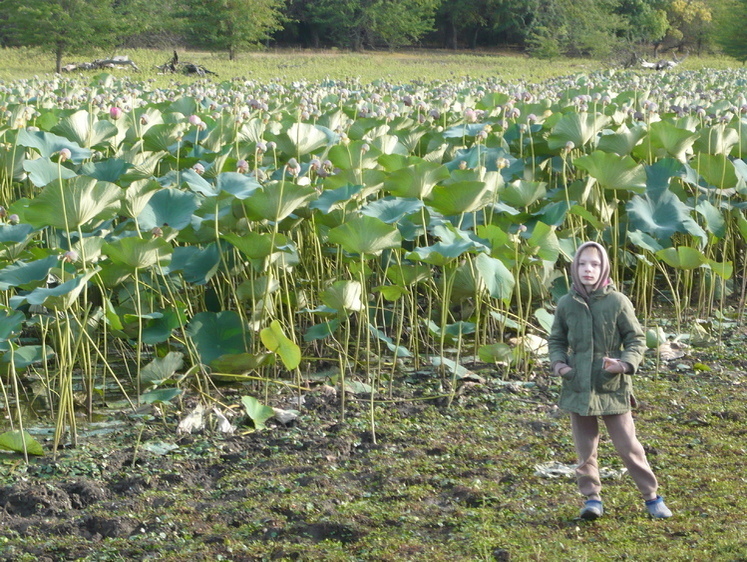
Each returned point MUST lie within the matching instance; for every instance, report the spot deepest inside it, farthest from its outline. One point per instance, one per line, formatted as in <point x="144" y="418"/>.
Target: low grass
<point x="441" y="484"/>
<point x="288" y="66"/>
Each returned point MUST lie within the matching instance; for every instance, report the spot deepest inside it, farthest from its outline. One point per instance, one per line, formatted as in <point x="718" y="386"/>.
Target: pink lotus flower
<point x="195" y="120"/>
<point x="115" y="113"/>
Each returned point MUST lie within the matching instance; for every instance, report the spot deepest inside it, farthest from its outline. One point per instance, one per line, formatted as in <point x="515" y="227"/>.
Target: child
<point x="595" y="344"/>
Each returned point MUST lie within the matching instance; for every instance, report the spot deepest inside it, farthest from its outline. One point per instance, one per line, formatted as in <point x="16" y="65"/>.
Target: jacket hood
<point x="604" y="275"/>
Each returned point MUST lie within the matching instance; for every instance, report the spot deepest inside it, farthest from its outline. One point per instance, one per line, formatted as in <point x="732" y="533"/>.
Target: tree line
<point x="542" y="28"/>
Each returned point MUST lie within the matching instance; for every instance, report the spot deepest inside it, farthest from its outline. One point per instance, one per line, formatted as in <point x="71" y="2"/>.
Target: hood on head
<point x="604" y="275"/>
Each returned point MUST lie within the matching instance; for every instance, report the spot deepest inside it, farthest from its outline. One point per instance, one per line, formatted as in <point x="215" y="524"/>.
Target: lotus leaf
<point x="365" y="235"/>
<point x="217" y="333"/>
<point x="71" y="204"/>
<point x="613" y="171"/>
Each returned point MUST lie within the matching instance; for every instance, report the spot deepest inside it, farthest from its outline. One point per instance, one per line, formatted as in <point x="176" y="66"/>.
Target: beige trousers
<point x="621" y="430"/>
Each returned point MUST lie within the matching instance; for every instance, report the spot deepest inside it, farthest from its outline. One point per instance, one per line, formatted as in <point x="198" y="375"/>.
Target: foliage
<point x="357" y="24"/>
<point x="231" y="25"/>
<point x="61" y="26"/>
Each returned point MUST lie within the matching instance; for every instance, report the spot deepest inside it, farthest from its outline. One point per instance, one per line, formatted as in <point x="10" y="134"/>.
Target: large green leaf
<point x="416" y="181"/>
<point x="304" y="138"/>
<point x="576" y="128"/>
<point x="366" y="236"/>
<point x="60" y="297"/>
<point x="256" y="411"/>
<point x="613" y="171"/>
<point x="343" y="296"/>
<point x="43" y="171"/>
<point x="523" y="193"/>
<point x="20" y="274"/>
<point x="277" y="200"/>
<point x="460" y="197"/>
<point x="623" y="141"/>
<point x="73" y="203"/>
<point x="18" y="442"/>
<point x="49" y="144"/>
<point x="161" y="369"/>
<point x="84" y="129"/>
<point x="665" y="139"/>
<point x="498" y="279"/>
<point x="661" y="217"/>
<point x="718" y="170"/>
<point x="217" y="333"/>
<point x="276" y="341"/>
<point x="682" y="257"/>
<point x="27" y="355"/>
<point x="168" y="207"/>
<point x="138" y="253"/>
<point x="716" y="140"/>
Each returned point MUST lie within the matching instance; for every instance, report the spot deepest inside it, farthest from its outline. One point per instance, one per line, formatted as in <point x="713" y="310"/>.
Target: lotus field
<point x="158" y="240"/>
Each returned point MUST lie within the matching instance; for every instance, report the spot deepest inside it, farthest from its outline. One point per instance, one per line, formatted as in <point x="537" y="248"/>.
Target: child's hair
<point x="604" y="276"/>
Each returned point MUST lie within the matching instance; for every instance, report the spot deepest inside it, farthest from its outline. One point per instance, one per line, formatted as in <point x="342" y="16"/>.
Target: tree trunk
<point x="58" y="59"/>
<point x="454" y="39"/>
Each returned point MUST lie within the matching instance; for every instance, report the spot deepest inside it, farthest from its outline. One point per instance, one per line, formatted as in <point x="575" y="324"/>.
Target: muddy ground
<point x="438" y="476"/>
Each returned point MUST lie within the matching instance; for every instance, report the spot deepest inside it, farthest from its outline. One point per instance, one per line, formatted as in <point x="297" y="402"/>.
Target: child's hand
<point x="560" y="369"/>
<point x="612" y="365"/>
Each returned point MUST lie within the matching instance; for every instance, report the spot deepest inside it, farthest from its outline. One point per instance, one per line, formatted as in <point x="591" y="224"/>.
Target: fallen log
<point x="176" y="66"/>
<point x="98" y="64"/>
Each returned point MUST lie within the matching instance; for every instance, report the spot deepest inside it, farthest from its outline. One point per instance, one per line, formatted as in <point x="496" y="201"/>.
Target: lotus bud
<point x="70" y="256"/>
<point x="315" y="164"/>
<point x="293" y="168"/>
<point x="570" y="145"/>
<point x="65" y="154"/>
<point x="272" y="145"/>
<point x="470" y="115"/>
<point x="144" y="119"/>
<point x="531" y="118"/>
<point x="522" y="228"/>
<point x="115" y="113"/>
<point x="242" y="166"/>
<point x="199" y="168"/>
<point x="365" y="148"/>
<point x="261" y="147"/>
<point x="481" y="136"/>
<point x="156" y="231"/>
<point x="195" y="120"/>
<point x="462" y="165"/>
<point x="434" y="113"/>
<point x="513" y="113"/>
<point x="14" y="219"/>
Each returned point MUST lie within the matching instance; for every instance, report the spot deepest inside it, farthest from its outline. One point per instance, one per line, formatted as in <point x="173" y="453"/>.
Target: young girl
<point x="595" y="344"/>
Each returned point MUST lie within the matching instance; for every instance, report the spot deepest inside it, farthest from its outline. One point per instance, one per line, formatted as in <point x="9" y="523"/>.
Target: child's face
<point x="589" y="267"/>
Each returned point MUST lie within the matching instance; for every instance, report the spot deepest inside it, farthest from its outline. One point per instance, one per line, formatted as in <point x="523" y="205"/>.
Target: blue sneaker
<point x="657" y="508"/>
<point x="592" y="510"/>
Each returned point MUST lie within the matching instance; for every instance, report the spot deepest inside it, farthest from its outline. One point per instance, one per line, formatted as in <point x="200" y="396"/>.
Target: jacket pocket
<point x="608" y="382"/>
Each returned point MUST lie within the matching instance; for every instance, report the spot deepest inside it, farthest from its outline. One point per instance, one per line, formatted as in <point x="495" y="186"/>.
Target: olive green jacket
<point x="585" y="332"/>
